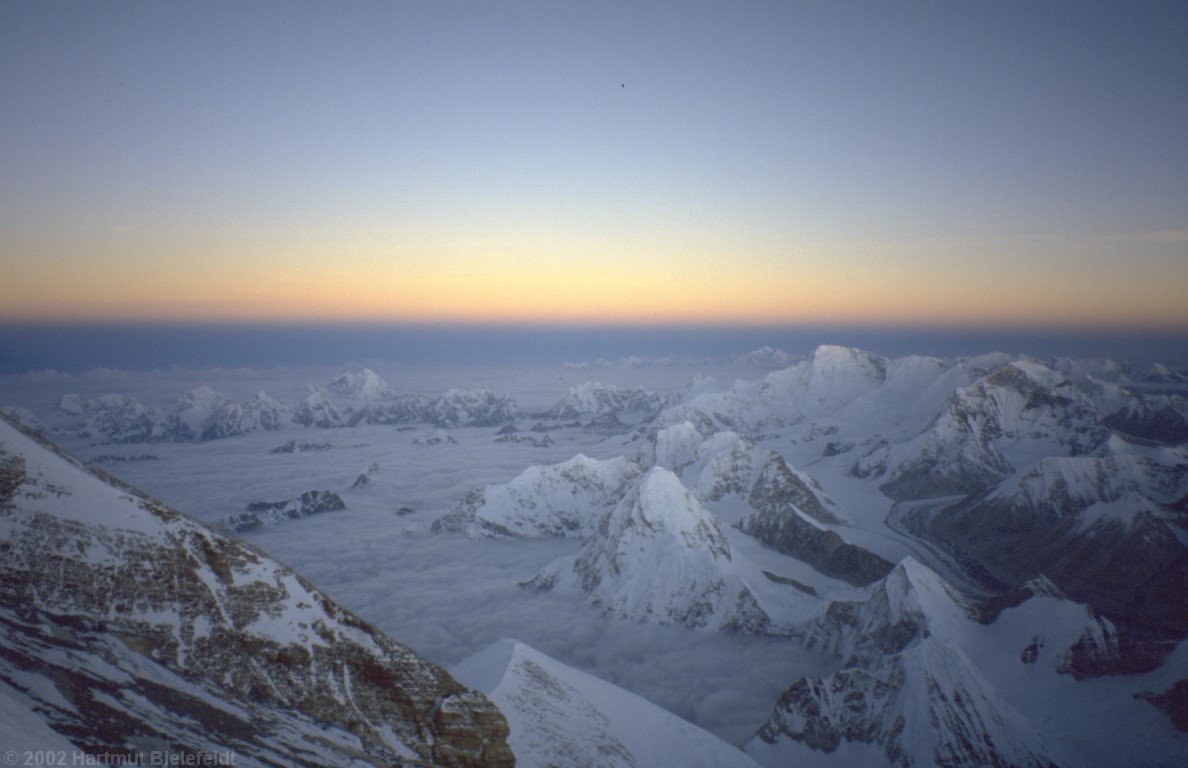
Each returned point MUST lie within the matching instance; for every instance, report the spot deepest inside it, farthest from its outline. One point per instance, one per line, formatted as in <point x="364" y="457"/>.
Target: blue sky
<point x="943" y="163"/>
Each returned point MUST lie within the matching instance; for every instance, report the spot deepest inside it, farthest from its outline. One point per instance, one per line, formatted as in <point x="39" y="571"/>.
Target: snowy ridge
<point x="565" y="499"/>
<point x="188" y="615"/>
<point x="564" y="718"/>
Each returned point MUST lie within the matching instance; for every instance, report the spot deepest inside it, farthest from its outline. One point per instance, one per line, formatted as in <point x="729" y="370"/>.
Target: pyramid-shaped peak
<point x="662" y="503"/>
<point x="365" y="385"/>
<point x="913" y="587"/>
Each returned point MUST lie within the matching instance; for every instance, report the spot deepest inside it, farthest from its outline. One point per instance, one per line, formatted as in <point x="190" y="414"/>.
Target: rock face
<point x="659" y="556"/>
<point x="1150" y="421"/>
<point x="905" y="686"/>
<point x="565" y="499"/>
<point x="790" y="531"/>
<point x="261" y="513"/>
<point x="563" y="718"/>
<point x="131" y="628"/>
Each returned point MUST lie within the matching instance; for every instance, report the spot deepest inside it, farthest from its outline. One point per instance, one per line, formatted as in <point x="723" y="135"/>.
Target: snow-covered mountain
<point x="566" y="499"/>
<point x="758" y="520"/>
<point x="364" y="386"/>
<point x="128" y="627"/>
<point x="822" y="383"/>
<point x="660" y="556"/>
<point x="108" y="418"/>
<point x="472" y="408"/>
<point x="561" y="717"/>
<point x="201" y="414"/>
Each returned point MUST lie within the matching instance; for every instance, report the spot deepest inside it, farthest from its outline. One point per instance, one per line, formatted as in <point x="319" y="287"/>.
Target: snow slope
<point x="561" y="717"/>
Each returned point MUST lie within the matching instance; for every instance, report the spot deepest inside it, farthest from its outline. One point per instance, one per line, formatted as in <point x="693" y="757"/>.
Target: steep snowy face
<point x="905" y="684"/>
<point x="564" y="718"/>
<point x="596" y="399"/>
<point x="1022" y="408"/>
<point x="128" y="625"/>
<point x="566" y="499"/>
<point x="659" y="556"/>
<point x="1107" y="531"/>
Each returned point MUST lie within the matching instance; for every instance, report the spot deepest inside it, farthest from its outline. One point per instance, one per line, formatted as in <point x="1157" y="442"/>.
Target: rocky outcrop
<point x="132" y="629"/>
<point x="261" y="513"/>
<point x="295" y="446"/>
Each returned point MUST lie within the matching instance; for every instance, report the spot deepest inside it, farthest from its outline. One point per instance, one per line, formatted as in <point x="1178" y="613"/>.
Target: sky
<point x="1013" y="164"/>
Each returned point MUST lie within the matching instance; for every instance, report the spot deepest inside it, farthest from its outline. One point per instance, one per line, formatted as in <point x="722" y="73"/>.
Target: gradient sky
<point x="1019" y="164"/>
